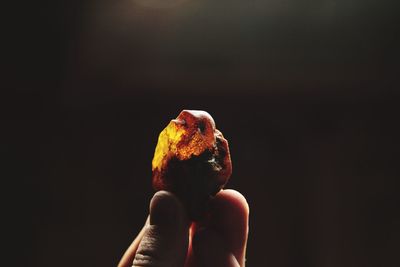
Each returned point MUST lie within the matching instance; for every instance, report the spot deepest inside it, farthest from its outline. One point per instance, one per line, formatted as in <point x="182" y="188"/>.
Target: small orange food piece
<point x="192" y="160"/>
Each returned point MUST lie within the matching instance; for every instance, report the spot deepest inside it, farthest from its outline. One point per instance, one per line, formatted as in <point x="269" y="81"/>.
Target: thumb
<point x="165" y="240"/>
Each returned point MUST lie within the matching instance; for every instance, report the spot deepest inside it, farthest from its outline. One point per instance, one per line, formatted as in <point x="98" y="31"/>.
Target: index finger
<point x="229" y="217"/>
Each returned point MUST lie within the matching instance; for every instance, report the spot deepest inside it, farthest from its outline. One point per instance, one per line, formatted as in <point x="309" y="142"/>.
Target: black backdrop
<point x="305" y="91"/>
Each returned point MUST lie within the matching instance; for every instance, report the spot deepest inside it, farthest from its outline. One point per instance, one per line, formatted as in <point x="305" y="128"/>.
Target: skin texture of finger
<point x="129" y="254"/>
<point x="210" y="250"/>
<point x="229" y="217"/>
<point x="165" y="240"/>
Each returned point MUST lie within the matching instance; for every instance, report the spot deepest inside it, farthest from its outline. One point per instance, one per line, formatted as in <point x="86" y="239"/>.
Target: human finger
<point x="229" y="217"/>
<point x="210" y="250"/>
<point x="165" y="240"/>
<point x="129" y="255"/>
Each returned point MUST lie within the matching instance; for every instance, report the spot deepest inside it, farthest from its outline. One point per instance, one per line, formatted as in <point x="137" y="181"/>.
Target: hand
<point x="170" y="239"/>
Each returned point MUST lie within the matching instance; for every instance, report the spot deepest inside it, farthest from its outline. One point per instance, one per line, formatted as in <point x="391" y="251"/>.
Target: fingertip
<point x="164" y="197"/>
<point x="166" y="209"/>
<point x="165" y="240"/>
<point x="230" y="218"/>
<point x="230" y="206"/>
<point x="233" y="199"/>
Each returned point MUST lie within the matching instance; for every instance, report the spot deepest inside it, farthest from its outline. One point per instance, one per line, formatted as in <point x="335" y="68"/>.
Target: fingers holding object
<point x="164" y="239"/>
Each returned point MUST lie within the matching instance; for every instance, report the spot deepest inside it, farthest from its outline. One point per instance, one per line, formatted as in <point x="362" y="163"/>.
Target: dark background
<point x="307" y="93"/>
